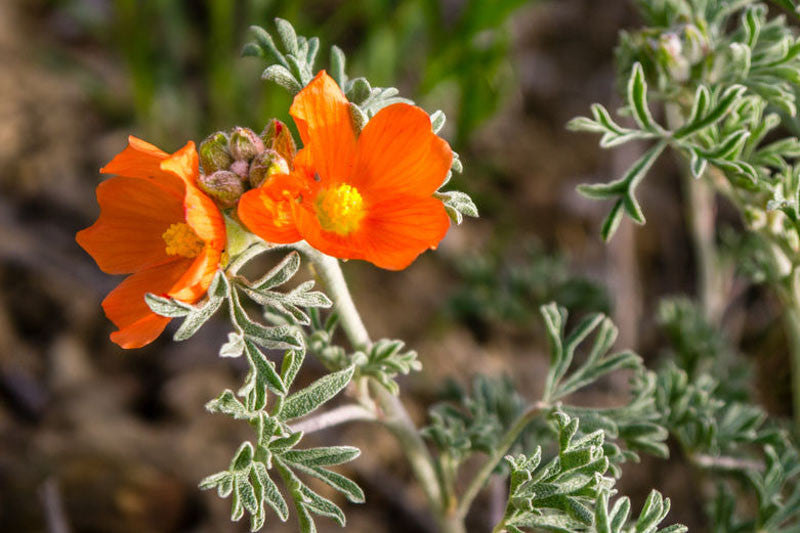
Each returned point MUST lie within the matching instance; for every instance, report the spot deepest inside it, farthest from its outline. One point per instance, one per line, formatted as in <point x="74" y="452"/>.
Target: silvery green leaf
<point x="322" y="506"/>
<point x="195" y="320"/>
<point x="271" y="493"/>
<point x="347" y="487"/>
<point x="243" y="457"/>
<point x="612" y="221"/>
<point x="214" y="480"/>
<point x="287" y="35"/>
<point x="307" y="400"/>
<point x="437" y="120"/>
<point x="280" y="274"/>
<point x="267" y="45"/>
<point x="724" y="104"/>
<point x="457" y="204"/>
<point x="227" y="404"/>
<point x="456" y="166"/>
<point x="311" y="55"/>
<point x="637" y="100"/>
<point x="358" y="91"/>
<point x="338" y="62"/>
<point x="326" y="456"/>
<point x="277" y="337"/>
<point x="292" y="361"/>
<point x="283" y="77"/>
<point x="266" y="375"/>
<point x="358" y="117"/>
<point x="168" y="307"/>
<point x="234" y="347"/>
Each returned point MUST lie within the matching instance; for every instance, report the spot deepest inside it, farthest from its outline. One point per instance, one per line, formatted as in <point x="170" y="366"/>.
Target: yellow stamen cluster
<point x="182" y="240"/>
<point x="340" y="209"/>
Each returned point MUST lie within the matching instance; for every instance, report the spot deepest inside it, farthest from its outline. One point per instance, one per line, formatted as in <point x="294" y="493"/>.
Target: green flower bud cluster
<point x="235" y="161"/>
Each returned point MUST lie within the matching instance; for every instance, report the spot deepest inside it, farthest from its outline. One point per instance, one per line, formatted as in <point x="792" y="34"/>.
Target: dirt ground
<point x="107" y="441"/>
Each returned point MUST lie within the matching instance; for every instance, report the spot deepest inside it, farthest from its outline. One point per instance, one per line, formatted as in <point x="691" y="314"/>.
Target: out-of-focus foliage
<point x="508" y="287"/>
<point x="182" y="56"/>
<point x="721" y="430"/>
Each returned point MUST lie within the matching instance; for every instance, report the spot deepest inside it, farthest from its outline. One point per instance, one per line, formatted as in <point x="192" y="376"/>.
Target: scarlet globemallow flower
<point x="156" y="225"/>
<point x="356" y="196"/>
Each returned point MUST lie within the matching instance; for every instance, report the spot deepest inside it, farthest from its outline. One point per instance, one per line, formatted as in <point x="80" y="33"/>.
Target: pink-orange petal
<point x="267" y="212"/>
<point x="134" y="213"/>
<point x="201" y="213"/>
<point x="391" y="236"/>
<point x="399" y="154"/>
<point x="322" y="114"/>
<point x="126" y="308"/>
<point x="194" y="283"/>
<point x="142" y="160"/>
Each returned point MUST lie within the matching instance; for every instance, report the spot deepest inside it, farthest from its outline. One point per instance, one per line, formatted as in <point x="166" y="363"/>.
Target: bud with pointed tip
<point x="214" y="154"/>
<point x="265" y="165"/>
<point x="223" y="186"/>
<point x="245" y="144"/>
<point x="276" y="136"/>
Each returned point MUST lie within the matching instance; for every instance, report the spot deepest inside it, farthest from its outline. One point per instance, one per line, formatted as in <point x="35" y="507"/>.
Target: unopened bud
<point x="265" y="165"/>
<point x="223" y="186"/>
<point x="245" y="144"/>
<point x="214" y="154"/>
<point x="242" y="168"/>
<point x="276" y="136"/>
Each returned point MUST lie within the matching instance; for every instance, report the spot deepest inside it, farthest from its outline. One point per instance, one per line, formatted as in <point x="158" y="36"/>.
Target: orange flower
<point x="367" y="196"/>
<point x="157" y="226"/>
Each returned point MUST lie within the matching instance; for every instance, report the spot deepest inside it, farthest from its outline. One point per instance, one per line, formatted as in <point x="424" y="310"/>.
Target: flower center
<point x="340" y="209"/>
<point x="182" y="240"/>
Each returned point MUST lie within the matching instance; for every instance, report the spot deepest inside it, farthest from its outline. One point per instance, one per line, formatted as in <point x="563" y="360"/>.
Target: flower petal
<point x="134" y="214"/>
<point x="391" y="236"/>
<point x="322" y="114"/>
<point x="142" y="160"/>
<point x="126" y="308"/>
<point x="267" y="211"/>
<point x="398" y="153"/>
<point x="202" y="213"/>
<point x="195" y="281"/>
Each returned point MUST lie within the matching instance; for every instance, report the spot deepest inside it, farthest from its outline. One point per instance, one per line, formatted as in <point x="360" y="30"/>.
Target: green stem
<point x="792" y="321"/>
<point x="507" y="441"/>
<point x="700" y="209"/>
<point x="393" y="415"/>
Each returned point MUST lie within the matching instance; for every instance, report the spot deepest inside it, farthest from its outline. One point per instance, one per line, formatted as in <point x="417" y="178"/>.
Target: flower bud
<point x="214" y="154"/>
<point x="223" y="186"/>
<point x="245" y="144"/>
<point x="265" y="165"/>
<point x="276" y="136"/>
<point x="242" y="168"/>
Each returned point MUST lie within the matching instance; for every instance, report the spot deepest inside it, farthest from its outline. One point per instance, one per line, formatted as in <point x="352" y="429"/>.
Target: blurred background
<point x="100" y="440"/>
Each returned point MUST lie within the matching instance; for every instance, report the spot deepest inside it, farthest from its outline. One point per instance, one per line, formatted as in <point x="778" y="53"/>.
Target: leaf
<point x="283" y="77"/>
<point x="307" y="400"/>
<point x="271" y="493"/>
<point x="637" y="100"/>
<point x="280" y="274"/>
<point x="234" y="347"/>
<point x="168" y="307"/>
<point x="227" y="404"/>
<point x="727" y="100"/>
<point x="327" y="456"/>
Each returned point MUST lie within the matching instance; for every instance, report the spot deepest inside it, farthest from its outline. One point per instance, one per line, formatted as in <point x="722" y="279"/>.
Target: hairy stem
<point x="334" y="417"/>
<point x="700" y="209"/>
<point x="488" y="467"/>
<point x="392" y="413"/>
<point x="792" y="321"/>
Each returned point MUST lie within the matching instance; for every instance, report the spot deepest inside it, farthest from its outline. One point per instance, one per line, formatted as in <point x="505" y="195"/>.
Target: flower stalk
<point x="391" y="413"/>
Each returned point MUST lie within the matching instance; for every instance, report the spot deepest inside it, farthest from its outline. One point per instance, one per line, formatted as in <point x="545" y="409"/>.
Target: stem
<point x="334" y="417"/>
<point x="393" y="415"/>
<point x="486" y="470"/>
<point x="701" y="218"/>
<point x="792" y="320"/>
